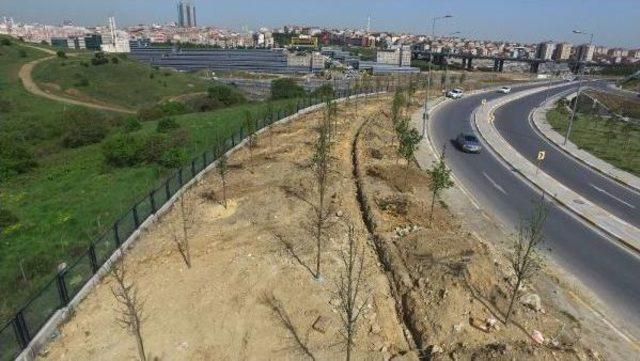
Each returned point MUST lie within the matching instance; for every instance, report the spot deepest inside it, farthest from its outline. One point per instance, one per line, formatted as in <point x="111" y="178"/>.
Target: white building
<point x="115" y="41"/>
<point x="545" y="51"/>
<point x="585" y="52"/>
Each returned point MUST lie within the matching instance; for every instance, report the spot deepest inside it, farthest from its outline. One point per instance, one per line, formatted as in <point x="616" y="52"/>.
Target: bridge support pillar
<point x="500" y="65"/>
<point x="469" y="67"/>
<point x="535" y="66"/>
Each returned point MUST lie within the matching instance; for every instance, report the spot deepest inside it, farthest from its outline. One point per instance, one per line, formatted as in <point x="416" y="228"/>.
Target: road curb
<point x="541" y="125"/>
<point x="626" y="234"/>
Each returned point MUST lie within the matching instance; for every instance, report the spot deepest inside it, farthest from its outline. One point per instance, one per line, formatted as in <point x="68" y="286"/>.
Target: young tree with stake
<point x="252" y="139"/>
<point x="222" y="171"/>
<point x="131" y="305"/>
<point x="525" y="261"/>
<point x="409" y="140"/>
<point x="182" y="231"/>
<point x="350" y="287"/>
<point x="440" y="180"/>
<point x="320" y="160"/>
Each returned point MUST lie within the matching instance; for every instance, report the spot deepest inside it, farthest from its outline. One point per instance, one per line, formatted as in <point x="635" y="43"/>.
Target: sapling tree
<point x="443" y="80"/>
<point x="222" y="171"/>
<point x="252" y="138"/>
<point x="463" y="77"/>
<point x="182" y="230"/>
<point x="409" y="140"/>
<point x="352" y="288"/>
<point x="321" y="159"/>
<point x="396" y="105"/>
<point x="130" y="315"/>
<point x="525" y="261"/>
<point x="440" y="180"/>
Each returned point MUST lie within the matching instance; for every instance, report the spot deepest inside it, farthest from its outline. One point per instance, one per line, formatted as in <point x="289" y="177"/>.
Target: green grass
<point x="633" y="85"/>
<point x="624" y="105"/>
<point x="128" y="83"/>
<point x="72" y="196"/>
<point x="610" y="140"/>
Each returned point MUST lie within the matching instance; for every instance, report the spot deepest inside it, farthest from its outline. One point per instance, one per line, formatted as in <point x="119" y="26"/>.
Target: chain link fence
<point x="16" y="335"/>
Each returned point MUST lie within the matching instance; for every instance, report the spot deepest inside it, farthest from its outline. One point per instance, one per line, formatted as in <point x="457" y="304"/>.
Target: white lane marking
<point x="612" y="196"/>
<point x="498" y="187"/>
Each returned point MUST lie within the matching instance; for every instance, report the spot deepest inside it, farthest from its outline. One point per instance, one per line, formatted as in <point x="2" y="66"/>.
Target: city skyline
<point x="518" y="21"/>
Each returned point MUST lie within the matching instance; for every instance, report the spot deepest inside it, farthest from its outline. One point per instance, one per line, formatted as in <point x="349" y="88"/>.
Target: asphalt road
<point x="512" y="121"/>
<point x="599" y="262"/>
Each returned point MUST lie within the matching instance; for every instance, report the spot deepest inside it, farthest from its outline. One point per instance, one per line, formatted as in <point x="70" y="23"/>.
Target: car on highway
<point x="455" y="93"/>
<point x="468" y="143"/>
<point x="505" y="90"/>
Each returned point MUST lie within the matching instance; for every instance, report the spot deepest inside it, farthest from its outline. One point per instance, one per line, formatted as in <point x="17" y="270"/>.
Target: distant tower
<point x="112" y="28"/>
<point x="186" y="14"/>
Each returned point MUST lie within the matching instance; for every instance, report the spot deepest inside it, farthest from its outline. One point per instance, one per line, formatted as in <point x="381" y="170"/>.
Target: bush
<point x="131" y="124"/>
<point x="123" y="150"/>
<point x="99" y="59"/>
<point x="7" y="219"/>
<point x="61" y="54"/>
<point x="82" y="80"/>
<point x="323" y="91"/>
<point x="226" y="95"/>
<point x="205" y="104"/>
<point x="115" y="60"/>
<point x="162" y="110"/>
<point x="82" y="128"/>
<point x="166" y="125"/>
<point x="173" y="158"/>
<point x="285" y="89"/>
<point x="15" y="158"/>
<point x="22" y="53"/>
<point x="5" y="42"/>
<point x="154" y="146"/>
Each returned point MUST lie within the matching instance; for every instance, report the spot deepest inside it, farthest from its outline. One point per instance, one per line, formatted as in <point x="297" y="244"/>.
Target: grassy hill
<point x="67" y="195"/>
<point x="123" y="82"/>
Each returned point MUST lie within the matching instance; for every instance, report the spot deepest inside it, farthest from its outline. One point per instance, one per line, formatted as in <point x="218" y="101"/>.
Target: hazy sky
<point x="614" y="22"/>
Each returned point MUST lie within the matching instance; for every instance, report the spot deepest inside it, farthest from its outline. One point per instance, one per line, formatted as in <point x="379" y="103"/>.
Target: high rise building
<point x="562" y="51"/>
<point x="545" y="51"/>
<point x="186" y="15"/>
<point x="585" y="52"/>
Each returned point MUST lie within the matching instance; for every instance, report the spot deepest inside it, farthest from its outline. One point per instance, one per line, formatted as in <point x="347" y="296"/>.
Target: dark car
<point x="468" y="143"/>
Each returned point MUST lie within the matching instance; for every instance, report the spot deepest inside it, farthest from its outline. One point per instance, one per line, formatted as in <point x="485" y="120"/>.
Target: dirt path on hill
<point x="30" y="85"/>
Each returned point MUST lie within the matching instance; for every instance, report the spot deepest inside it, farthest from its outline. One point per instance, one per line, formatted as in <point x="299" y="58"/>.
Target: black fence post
<point x="167" y="190"/>
<point x="136" y="220"/>
<point x="93" y="259"/>
<point x="193" y="168"/>
<point x="180" y="176"/>
<point x="21" y="330"/>
<point x="204" y="159"/>
<point x="116" y="235"/>
<point x="62" y="288"/>
<point x="152" y="200"/>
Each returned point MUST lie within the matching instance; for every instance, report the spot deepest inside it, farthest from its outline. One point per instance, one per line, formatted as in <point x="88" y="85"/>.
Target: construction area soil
<point x="433" y="290"/>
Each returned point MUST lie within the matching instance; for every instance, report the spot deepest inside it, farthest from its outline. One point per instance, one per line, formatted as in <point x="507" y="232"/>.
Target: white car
<point x="505" y="90"/>
<point x="455" y="93"/>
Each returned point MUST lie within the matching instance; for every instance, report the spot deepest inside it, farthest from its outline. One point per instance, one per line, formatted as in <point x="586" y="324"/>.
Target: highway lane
<point x="609" y="270"/>
<point x="512" y="121"/>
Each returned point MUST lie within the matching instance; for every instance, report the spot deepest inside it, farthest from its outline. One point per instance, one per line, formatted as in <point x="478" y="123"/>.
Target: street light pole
<point x="425" y="115"/>
<point x="580" y="75"/>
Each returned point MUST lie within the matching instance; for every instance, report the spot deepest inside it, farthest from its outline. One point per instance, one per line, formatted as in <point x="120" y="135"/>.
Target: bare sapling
<point x="130" y="315"/>
<point x="321" y="160"/>
<point x="182" y="230"/>
<point x="526" y="261"/>
<point x="252" y="138"/>
<point x="222" y="171"/>
<point x="331" y="112"/>
<point x="409" y="141"/>
<point x="351" y="287"/>
<point x="440" y="180"/>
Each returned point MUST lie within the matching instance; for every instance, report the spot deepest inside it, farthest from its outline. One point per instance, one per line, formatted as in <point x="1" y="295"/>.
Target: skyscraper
<point x="545" y="50"/>
<point x="186" y="14"/>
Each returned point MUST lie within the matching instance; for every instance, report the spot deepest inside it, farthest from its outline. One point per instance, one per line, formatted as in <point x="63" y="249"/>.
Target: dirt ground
<point x="250" y="294"/>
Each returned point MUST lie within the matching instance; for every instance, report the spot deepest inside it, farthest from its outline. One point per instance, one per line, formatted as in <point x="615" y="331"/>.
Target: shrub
<point x="154" y="146"/>
<point x="205" y="104"/>
<point x="323" y="91"/>
<point x="22" y="53"/>
<point x="115" y="60"/>
<point x="99" y="59"/>
<point x="82" y="81"/>
<point x="285" y="89"/>
<point x="82" y="128"/>
<point x="123" y="150"/>
<point x="173" y="158"/>
<point x="15" y="158"/>
<point x="226" y="95"/>
<point x="5" y="42"/>
<point x="61" y="54"/>
<point x="7" y="219"/>
<point x="162" y="110"/>
<point x="166" y="125"/>
<point x="131" y="124"/>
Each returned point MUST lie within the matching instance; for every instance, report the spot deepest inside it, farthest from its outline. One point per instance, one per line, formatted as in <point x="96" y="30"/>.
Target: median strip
<point x="586" y="210"/>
